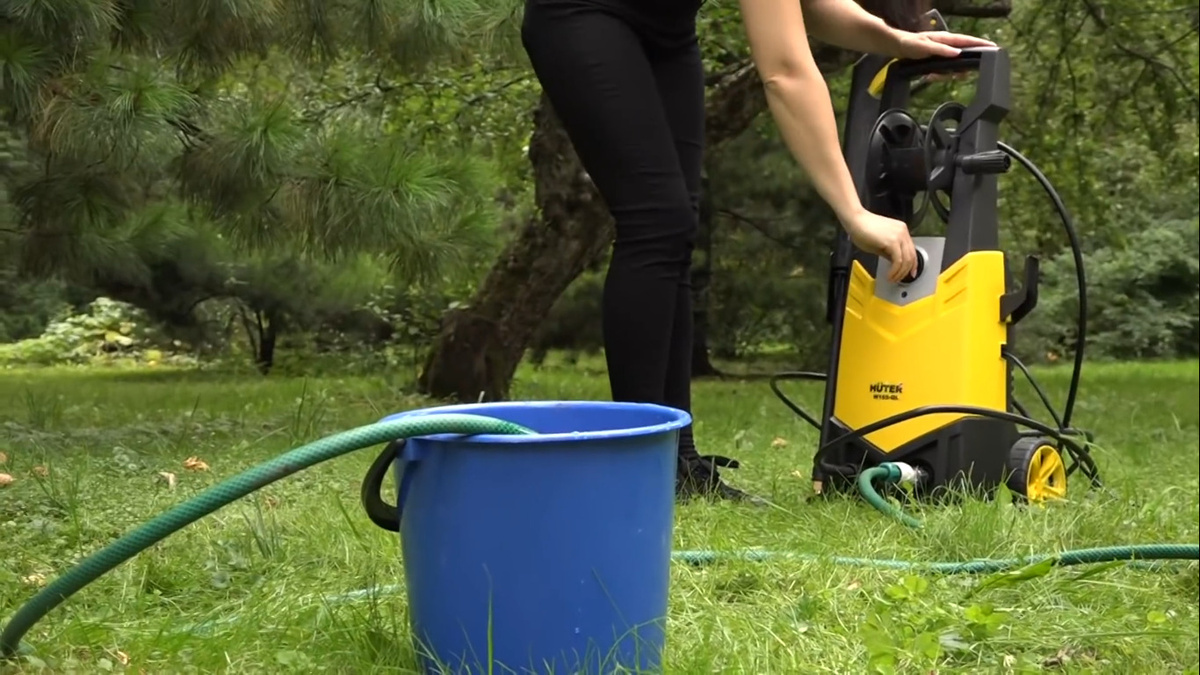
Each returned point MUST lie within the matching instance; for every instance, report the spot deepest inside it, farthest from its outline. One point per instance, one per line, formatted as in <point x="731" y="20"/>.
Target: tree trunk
<point x="268" y="335"/>
<point x="479" y="347"/>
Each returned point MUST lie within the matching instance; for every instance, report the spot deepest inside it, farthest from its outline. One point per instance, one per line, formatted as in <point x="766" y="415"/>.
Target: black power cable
<point x="797" y="375"/>
<point x="1065" y="435"/>
<point x="1080" y="277"/>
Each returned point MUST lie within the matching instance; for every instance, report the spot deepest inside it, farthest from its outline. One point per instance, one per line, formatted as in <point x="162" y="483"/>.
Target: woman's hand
<point x="935" y="43"/>
<point x="886" y="238"/>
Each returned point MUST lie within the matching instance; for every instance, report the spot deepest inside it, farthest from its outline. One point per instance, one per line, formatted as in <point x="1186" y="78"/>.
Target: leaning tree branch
<point x="760" y="227"/>
<point x="1155" y="64"/>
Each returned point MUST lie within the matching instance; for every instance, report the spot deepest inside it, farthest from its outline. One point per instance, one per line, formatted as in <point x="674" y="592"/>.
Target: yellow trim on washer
<point x="876" y="88"/>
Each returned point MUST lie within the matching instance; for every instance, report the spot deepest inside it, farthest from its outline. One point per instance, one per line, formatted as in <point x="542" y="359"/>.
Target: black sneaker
<point x="699" y="478"/>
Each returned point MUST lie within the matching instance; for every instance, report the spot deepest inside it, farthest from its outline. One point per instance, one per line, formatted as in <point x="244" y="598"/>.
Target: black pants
<point x="629" y="90"/>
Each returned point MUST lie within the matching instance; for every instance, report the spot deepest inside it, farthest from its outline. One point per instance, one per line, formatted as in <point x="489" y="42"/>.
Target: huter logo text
<point x="886" y="391"/>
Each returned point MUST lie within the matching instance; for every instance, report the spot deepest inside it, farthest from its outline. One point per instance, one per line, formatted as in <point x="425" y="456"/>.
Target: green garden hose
<point x="229" y="491"/>
<point x="888" y="473"/>
<point x="1083" y="556"/>
<point x="370" y="435"/>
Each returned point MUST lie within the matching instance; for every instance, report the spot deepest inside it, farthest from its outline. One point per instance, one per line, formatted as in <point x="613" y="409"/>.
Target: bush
<point x="26" y="307"/>
<point x="107" y="331"/>
<point x="1143" y="299"/>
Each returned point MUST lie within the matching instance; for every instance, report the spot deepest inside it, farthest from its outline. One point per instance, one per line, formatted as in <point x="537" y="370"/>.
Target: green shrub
<point x="106" y="331"/>
<point x="26" y="307"/>
<point x="1143" y="299"/>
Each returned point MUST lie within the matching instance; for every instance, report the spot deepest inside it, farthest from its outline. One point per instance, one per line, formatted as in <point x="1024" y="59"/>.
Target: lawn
<point x="93" y="454"/>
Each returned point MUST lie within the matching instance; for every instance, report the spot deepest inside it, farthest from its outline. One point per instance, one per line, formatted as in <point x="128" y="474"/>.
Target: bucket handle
<point x="384" y="515"/>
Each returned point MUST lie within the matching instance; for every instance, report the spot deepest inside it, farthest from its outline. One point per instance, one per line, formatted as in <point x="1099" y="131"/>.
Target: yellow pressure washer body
<point x="921" y="371"/>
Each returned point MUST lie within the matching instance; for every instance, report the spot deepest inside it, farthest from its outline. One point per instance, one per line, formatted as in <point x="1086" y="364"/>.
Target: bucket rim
<point x="678" y="420"/>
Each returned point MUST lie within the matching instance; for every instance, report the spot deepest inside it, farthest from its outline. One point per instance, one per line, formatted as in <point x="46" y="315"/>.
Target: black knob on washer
<point x="918" y="270"/>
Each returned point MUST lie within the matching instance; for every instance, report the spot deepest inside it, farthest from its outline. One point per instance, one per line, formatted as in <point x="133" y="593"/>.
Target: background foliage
<point x="247" y="178"/>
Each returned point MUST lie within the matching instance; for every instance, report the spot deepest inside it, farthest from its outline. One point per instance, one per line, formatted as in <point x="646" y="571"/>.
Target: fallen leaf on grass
<point x="35" y="579"/>
<point x="40" y="470"/>
<point x="121" y="657"/>
<point x="1065" y="657"/>
<point x="167" y="477"/>
<point x="3" y="458"/>
<point x="5" y="480"/>
<point x="779" y="443"/>
<point x="1062" y="658"/>
<point x="195" y="464"/>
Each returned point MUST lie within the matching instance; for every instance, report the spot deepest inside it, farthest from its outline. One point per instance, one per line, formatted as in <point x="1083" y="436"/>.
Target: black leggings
<point x="629" y="90"/>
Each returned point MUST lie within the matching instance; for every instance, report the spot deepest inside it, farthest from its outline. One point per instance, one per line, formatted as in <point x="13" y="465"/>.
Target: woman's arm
<point x="799" y="100"/>
<point x="845" y="24"/>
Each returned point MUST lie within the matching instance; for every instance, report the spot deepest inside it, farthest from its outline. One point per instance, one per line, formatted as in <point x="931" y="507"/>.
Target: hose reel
<point x="913" y="164"/>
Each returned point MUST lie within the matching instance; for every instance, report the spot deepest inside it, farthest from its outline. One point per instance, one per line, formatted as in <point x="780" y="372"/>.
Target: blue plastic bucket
<point x="541" y="554"/>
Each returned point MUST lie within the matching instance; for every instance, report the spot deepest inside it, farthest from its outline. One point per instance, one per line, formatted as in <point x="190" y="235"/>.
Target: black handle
<point x="385" y="515"/>
<point x="1018" y="304"/>
<point x="967" y="60"/>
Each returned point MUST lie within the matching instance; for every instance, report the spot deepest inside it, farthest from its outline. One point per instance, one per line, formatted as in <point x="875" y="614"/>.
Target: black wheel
<point x="1036" y="471"/>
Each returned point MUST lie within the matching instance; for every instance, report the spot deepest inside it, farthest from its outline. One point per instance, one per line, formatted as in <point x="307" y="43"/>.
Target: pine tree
<point x="166" y="153"/>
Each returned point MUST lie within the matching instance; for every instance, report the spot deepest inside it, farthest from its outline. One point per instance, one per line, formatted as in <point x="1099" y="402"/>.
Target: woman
<point x="626" y="81"/>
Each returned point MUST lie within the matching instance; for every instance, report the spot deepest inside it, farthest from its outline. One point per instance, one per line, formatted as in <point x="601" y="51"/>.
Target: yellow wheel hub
<point x="1045" y="475"/>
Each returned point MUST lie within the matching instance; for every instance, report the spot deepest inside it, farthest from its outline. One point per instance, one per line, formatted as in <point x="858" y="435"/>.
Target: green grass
<point x="102" y="440"/>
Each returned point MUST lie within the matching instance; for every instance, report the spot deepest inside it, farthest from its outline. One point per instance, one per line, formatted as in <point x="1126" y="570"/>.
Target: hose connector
<point x="901" y="472"/>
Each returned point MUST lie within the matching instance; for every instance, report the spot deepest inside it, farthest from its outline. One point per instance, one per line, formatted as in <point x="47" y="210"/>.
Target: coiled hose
<point x="257" y="477"/>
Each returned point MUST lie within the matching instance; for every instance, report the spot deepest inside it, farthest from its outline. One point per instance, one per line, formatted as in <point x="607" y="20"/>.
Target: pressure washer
<point x="924" y="392"/>
<point x="920" y="376"/>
